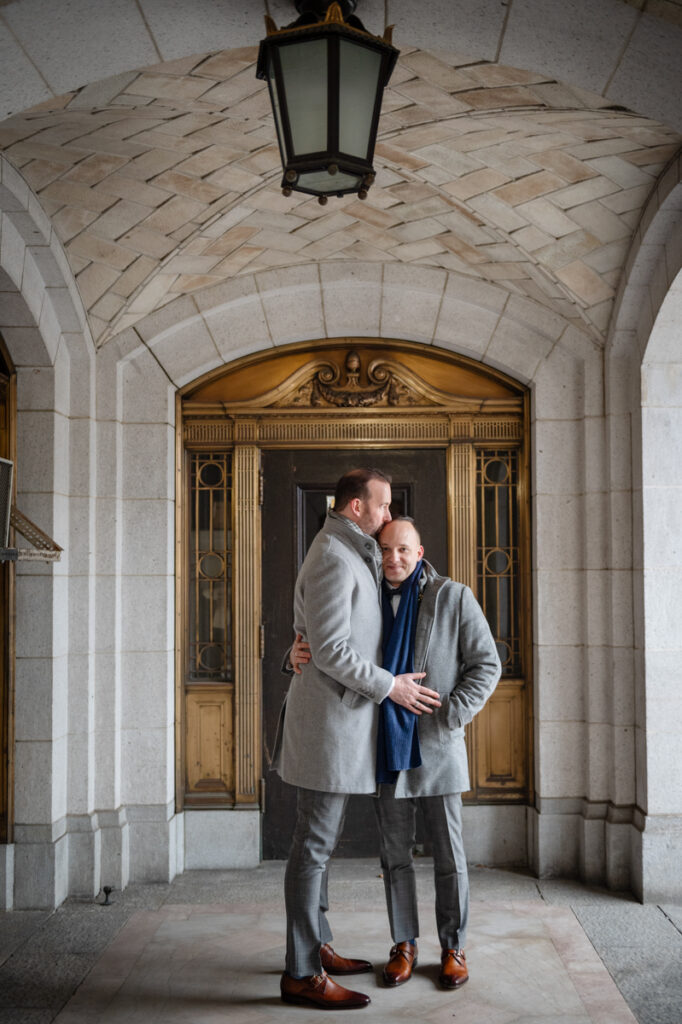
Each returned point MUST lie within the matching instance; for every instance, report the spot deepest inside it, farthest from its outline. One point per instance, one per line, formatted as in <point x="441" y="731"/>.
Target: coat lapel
<point x="425" y="617"/>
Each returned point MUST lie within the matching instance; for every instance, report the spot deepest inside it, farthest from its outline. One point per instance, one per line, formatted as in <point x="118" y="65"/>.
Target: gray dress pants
<point x="443" y="816"/>
<point x="319" y="824"/>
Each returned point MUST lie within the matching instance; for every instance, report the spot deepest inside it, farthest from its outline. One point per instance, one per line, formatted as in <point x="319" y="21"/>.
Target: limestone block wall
<point x="94" y="751"/>
<point x="662" y="549"/>
<point x="136" y="536"/>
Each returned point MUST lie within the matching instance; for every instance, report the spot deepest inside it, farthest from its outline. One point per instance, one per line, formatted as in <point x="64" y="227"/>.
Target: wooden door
<point x="297" y="485"/>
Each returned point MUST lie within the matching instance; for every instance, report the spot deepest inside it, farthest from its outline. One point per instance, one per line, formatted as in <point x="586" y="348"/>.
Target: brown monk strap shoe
<point x="335" y="964"/>
<point x="402" y="958"/>
<point x="453" y="968"/>
<point x="320" y="990"/>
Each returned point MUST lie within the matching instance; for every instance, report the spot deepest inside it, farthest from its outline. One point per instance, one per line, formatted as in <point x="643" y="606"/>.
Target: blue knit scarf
<point x="398" y="739"/>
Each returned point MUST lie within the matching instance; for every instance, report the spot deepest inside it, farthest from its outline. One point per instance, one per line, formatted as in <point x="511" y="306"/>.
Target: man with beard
<point x="328" y="731"/>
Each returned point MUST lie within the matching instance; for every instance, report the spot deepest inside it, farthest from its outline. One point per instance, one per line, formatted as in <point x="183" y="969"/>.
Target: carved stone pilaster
<point x="247" y="606"/>
<point x="462" y="513"/>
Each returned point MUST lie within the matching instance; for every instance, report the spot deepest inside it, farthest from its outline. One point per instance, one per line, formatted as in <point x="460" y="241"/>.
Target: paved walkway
<point x="209" y="947"/>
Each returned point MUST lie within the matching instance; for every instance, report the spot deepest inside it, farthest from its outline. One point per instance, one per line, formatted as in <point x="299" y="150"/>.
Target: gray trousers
<point x="319" y="824"/>
<point x="443" y="816"/>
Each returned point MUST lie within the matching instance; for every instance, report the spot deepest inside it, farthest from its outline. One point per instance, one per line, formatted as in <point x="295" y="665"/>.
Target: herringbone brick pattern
<point x="492" y="172"/>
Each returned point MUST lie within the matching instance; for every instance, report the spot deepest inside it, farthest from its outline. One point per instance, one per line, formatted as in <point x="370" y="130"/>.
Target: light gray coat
<point x="327" y="734"/>
<point x="454" y="646"/>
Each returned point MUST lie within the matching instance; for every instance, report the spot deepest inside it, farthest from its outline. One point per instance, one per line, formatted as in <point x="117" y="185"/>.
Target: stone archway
<point x="44" y="327"/>
<point x="661" y="594"/>
<point x="642" y="395"/>
<point x="564" y="369"/>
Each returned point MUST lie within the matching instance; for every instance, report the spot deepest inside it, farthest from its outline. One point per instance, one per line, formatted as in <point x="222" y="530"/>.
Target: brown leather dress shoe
<point x="320" y="990"/>
<point x="332" y="963"/>
<point x="402" y="958"/>
<point x="453" y="968"/>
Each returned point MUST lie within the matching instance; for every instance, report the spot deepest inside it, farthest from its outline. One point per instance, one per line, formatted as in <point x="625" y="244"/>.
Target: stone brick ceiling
<point x="166" y="181"/>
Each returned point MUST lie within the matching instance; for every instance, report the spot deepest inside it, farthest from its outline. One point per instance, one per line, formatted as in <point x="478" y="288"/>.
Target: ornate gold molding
<point x="328" y="430"/>
<point x="462" y="513"/>
<point x="208" y="431"/>
<point x="386" y="383"/>
<point x="246" y="617"/>
<point x="338" y="428"/>
<point x="510" y="429"/>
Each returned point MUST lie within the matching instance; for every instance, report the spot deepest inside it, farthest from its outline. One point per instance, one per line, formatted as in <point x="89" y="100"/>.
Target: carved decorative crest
<point x="322" y="383"/>
<point x="388" y="384"/>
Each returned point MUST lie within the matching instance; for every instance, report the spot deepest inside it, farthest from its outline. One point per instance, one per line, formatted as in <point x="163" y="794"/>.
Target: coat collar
<point x="349" y="533"/>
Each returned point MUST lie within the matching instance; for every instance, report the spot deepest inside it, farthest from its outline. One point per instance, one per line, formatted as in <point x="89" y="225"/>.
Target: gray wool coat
<point x="327" y="732"/>
<point x="454" y="646"/>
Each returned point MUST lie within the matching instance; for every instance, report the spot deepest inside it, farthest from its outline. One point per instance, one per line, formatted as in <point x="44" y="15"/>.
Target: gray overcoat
<point x="327" y="733"/>
<point x="455" y="648"/>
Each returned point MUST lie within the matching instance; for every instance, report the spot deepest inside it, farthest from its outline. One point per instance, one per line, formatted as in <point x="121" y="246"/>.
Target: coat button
<point x="369" y="561"/>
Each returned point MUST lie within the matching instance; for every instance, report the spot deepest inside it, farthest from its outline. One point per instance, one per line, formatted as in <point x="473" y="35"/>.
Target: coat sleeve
<point x="480" y="667"/>
<point x="327" y="609"/>
<point x="286" y="668"/>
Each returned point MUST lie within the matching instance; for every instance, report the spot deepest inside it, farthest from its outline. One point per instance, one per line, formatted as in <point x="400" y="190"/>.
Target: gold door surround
<point x="357" y="394"/>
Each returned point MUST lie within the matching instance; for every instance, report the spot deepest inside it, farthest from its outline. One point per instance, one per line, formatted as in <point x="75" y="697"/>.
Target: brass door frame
<point x="385" y="405"/>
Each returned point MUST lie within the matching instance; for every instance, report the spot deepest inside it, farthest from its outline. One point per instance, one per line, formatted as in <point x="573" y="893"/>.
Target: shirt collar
<point x="348" y="523"/>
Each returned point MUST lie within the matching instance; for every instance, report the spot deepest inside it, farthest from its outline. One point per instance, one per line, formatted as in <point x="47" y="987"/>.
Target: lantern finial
<point x="334" y="14"/>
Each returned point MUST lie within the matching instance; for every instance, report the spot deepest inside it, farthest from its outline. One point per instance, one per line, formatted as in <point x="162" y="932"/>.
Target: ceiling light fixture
<point x="326" y="76"/>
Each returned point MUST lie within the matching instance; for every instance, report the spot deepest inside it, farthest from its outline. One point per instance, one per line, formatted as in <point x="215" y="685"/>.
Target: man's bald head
<point x="401" y="549"/>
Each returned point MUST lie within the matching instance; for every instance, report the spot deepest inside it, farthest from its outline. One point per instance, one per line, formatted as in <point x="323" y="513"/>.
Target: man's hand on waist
<point x="300" y="654"/>
<point x="409" y="693"/>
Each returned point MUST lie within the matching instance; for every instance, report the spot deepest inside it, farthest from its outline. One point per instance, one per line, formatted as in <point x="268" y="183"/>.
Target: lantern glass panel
<point x="304" y="70"/>
<point x="321" y="181"/>
<point x="359" y="74"/>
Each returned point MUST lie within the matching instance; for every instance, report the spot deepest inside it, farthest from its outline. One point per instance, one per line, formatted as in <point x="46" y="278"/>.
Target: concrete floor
<point x="210" y="946"/>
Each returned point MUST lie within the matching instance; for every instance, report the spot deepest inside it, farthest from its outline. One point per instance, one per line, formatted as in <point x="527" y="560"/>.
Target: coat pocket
<point x="351" y="698"/>
<point x="449" y="724"/>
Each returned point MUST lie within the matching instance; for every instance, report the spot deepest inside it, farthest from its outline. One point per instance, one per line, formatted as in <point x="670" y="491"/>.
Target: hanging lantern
<point x="326" y="76"/>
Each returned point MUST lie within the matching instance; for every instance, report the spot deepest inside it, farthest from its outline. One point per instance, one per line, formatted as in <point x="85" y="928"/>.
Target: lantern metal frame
<point x="324" y="19"/>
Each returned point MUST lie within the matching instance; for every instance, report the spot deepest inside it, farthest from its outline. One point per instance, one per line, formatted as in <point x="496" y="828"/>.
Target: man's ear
<point x="355" y="506"/>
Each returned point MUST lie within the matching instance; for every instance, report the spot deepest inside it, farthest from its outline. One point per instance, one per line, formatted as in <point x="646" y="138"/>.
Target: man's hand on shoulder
<point x="409" y="693"/>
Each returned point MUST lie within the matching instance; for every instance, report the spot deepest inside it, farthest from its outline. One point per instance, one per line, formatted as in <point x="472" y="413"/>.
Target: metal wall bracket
<point x="44" y="548"/>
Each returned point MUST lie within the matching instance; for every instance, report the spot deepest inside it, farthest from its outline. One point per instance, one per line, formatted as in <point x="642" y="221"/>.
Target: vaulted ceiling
<point x="165" y="181"/>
